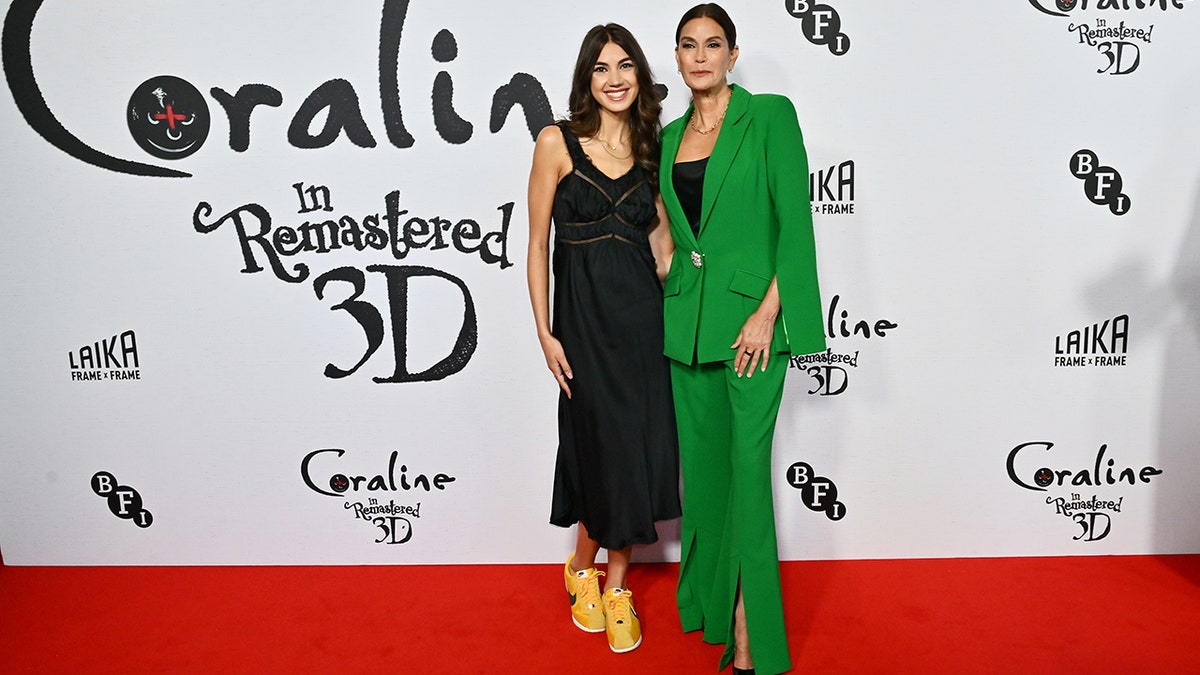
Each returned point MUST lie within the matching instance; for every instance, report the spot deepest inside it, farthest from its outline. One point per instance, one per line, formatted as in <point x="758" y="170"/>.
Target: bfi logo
<point x="818" y="493"/>
<point x="1101" y="184"/>
<point x="821" y="25"/>
<point x="124" y="501"/>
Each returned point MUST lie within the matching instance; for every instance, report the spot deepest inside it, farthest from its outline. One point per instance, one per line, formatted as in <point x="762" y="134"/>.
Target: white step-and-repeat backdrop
<point x="264" y="300"/>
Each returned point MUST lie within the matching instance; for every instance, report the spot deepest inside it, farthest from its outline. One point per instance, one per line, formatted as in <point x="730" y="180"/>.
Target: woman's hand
<point x="753" y="344"/>
<point x="556" y="361"/>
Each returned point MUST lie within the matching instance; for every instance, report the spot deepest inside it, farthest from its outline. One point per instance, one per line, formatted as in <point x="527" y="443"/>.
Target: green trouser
<point x="726" y="424"/>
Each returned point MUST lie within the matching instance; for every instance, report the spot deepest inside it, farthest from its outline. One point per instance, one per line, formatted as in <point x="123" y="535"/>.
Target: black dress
<point x="618" y="454"/>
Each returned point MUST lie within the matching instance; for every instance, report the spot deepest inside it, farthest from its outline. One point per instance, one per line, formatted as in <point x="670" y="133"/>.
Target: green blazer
<point x="755" y="225"/>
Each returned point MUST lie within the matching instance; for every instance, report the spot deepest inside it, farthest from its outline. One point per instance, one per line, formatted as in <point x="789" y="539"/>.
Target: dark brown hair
<point x="710" y="10"/>
<point x="644" y="127"/>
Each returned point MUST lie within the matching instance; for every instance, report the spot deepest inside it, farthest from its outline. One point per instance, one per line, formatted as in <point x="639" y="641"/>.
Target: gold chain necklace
<point x="605" y="141"/>
<point x="705" y="132"/>
<point x="604" y="145"/>
<point x="615" y="155"/>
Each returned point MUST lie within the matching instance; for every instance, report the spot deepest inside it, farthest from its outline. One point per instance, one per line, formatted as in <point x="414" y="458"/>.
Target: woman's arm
<point x="796" y="263"/>
<point x="550" y="163"/>
<point x="785" y="160"/>
<point x="661" y="243"/>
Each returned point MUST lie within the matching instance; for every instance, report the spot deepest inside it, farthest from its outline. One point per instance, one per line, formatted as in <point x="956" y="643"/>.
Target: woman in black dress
<point x="596" y="174"/>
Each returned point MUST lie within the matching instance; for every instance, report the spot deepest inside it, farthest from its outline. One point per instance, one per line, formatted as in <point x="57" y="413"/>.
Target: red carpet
<point x="1015" y="615"/>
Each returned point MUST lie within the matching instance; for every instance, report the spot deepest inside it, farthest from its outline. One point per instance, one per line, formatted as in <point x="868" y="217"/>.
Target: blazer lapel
<point x="729" y="140"/>
<point x="666" y="170"/>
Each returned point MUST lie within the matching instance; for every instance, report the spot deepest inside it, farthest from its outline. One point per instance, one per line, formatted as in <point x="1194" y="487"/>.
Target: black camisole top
<point x="688" y="180"/>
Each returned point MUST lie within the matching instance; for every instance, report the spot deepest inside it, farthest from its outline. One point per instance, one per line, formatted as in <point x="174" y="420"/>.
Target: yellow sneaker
<point x="587" y="611"/>
<point x="621" y="621"/>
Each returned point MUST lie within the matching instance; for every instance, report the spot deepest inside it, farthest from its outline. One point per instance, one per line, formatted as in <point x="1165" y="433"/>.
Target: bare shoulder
<point x="550" y="139"/>
<point x="550" y="151"/>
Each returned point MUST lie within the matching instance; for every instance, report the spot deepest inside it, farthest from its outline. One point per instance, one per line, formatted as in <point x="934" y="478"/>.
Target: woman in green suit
<point x="741" y="294"/>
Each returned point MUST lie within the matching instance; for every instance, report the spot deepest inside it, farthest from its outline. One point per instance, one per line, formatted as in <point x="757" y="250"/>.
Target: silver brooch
<point x="697" y="259"/>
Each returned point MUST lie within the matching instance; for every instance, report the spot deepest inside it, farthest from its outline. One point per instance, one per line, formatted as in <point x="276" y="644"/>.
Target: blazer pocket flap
<point x="671" y="286"/>
<point x="749" y="284"/>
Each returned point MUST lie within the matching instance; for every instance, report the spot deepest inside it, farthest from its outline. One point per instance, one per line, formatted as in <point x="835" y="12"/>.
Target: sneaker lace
<point x="620" y="605"/>
<point x="590" y="593"/>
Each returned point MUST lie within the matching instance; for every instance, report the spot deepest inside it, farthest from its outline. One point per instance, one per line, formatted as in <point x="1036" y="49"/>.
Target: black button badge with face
<point x="168" y="117"/>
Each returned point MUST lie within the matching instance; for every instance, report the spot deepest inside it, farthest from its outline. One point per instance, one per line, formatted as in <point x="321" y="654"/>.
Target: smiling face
<point x="614" y="79"/>
<point x="704" y="55"/>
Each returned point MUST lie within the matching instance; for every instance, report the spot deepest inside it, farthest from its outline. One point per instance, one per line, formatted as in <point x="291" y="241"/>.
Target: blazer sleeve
<point x="796" y="258"/>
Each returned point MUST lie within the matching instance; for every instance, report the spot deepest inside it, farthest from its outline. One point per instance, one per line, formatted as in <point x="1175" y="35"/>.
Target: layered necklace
<point x="612" y="149"/>
<point x="705" y="132"/>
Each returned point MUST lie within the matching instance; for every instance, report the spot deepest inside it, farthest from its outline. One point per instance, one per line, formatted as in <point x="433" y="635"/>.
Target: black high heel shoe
<point x="743" y="671"/>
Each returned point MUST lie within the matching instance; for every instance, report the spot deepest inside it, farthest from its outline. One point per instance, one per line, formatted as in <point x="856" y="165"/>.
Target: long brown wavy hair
<point x="644" y="127"/>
